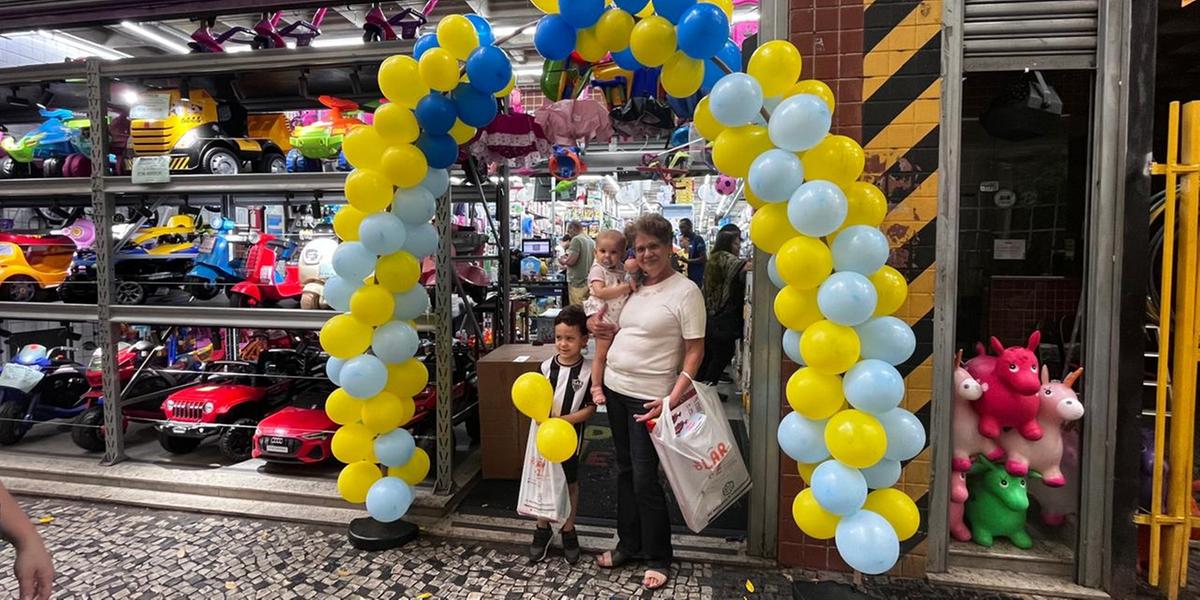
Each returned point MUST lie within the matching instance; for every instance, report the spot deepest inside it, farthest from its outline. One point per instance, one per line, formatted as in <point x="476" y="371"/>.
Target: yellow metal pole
<point x="1190" y="186"/>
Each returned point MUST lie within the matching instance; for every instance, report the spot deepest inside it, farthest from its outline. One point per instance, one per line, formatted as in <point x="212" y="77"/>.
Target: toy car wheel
<point x="52" y="167"/>
<point x="310" y="301"/>
<point x="273" y="162"/>
<point x="177" y="445"/>
<point x="219" y="161"/>
<point x="130" y="292"/>
<point x="237" y="441"/>
<point x="239" y="300"/>
<point x="202" y="289"/>
<point x="10" y="168"/>
<point x="19" y="288"/>
<point x="88" y="433"/>
<point x="12" y="427"/>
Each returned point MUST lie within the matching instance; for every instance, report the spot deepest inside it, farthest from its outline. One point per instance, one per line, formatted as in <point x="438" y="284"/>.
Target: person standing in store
<point x="578" y="261"/>
<point x="697" y="251"/>
<point x="33" y="568"/>
<point x="724" y="300"/>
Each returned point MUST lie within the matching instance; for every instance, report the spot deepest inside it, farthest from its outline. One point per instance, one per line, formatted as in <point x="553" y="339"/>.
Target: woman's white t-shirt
<point x="647" y="353"/>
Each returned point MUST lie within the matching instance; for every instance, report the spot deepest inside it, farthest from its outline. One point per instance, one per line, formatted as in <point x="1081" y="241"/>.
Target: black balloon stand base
<point x="371" y="535"/>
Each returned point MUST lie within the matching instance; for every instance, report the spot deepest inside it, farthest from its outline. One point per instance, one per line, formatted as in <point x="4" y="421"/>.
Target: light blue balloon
<point x="839" y="489"/>
<point x="883" y="474"/>
<point x="817" y="208"/>
<point x="394" y="342"/>
<point x="363" y="376"/>
<point x="888" y="339"/>
<point x="735" y="100"/>
<point x="422" y="240"/>
<point x="773" y="274"/>
<point x="775" y="175"/>
<point x="395" y="447"/>
<point x="791" y="345"/>
<point x="338" y="291"/>
<point x="860" y="248"/>
<point x="905" y="434"/>
<point x="437" y="181"/>
<point x="388" y="499"/>
<point x="873" y="386"/>
<point x="333" y="370"/>
<point x="803" y="439"/>
<point x="411" y="303"/>
<point x="799" y="122"/>
<point x="353" y="261"/>
<point x="382" y="233"/>
<point x="847" y="298"/>
<point x="867" y="542"/>
<point x="414" y="205"/>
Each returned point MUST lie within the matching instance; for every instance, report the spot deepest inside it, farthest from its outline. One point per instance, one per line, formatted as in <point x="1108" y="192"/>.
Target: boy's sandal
<point x="616" y="558"/>
<point x="655" y="574"/>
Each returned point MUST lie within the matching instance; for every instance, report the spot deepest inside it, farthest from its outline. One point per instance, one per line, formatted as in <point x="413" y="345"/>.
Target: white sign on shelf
<point x="151" y="169"/>
<point x="151" y="106"/>
<point x="1008" y="249"/>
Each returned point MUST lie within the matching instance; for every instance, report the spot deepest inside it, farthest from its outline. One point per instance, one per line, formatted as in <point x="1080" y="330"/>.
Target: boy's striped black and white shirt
<point x="572" y="385"/>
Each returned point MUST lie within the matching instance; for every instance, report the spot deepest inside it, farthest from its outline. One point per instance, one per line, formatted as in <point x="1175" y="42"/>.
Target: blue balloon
<point x="632" y="7"/>
<point x="424" y="43"/>
<point x="388" y="499"/>
<point x="440" y="150"/>
<point x="353" y="261"/>
<point x="799" y="122"/>
<point x="475" y="108"/>
<point x="382" y="233"/>
<point x="735" y="100"/>
<point x="338" y="290"/>
<point x="437" y="181"/>
<point x="817" y="208"/>
<point x="411" y="303"/>
<point x="554" y="37"/>
<point x="883" y="474"/>
<point x="489" y="69"/>
<point x="703" y="30"/>
<point x="626" y="60"/>
<point x="859" y="248"/>
<point x="905" y="434"/>
<point x="333" y="370"/>
<point x="839" y="489"/>
<point x="414" y="206"/>
<point x="873" y="386"/>
<point x="484" y="29"/>
<point x="803" y="439"/>
<point x="867" y="542"/>
<point x="363" y="376"/>
<point x="791" y="345"/>
<point x="422" y="240"/>
<point x="773" y="273"/>
<point x="672" y="10"/>
<point x="581" y="14"/>
<point x="847" y="298"/>
<point x="435" y="113"/>
<point x="776" y="174"/>
<point x="731" y="55"/>
<point x="395" y="448"/>
<point x="394" y="342"/>
<point x="888" y="339"/>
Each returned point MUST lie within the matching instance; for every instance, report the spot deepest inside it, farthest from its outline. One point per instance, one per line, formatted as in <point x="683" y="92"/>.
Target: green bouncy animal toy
<point x="997" y="505"/>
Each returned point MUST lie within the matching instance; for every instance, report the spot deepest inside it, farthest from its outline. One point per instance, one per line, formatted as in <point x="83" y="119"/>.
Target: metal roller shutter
<point x="1043" y="34"/>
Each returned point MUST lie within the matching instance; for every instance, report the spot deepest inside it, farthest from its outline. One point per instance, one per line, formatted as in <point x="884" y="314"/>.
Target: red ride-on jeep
<point x="229" y="401"/>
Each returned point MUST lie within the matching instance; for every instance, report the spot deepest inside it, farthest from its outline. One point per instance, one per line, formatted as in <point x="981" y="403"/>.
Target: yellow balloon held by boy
<point x="533" y="395"/>
<point x="556" y="440"/>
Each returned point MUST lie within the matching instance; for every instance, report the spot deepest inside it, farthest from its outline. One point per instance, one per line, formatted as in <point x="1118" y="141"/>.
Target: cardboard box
<point x="504" y="430"/>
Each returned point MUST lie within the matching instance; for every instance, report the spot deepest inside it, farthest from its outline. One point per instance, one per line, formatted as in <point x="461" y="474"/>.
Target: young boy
<point x="571" y="377"/>
<point x="34" y="571"/>
<point x="610" y="282"/>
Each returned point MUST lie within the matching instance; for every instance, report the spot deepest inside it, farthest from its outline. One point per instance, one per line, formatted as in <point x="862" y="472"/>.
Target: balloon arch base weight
<point x="371" y="535"/>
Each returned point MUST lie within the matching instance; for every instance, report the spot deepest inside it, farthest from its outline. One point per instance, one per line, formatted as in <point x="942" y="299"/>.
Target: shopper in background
<point x="578" y="262"/>
<point x="659" y="334"/>
<point x="724" y="297"/>
<point x="697" y="251"/>
<point x="34" y="571"/>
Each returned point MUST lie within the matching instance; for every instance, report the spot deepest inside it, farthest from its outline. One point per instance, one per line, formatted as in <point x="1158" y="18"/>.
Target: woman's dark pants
<point x="643" y="524"/>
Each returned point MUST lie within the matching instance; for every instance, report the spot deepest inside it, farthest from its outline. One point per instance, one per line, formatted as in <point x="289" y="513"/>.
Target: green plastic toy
<point x="997" y="505"/>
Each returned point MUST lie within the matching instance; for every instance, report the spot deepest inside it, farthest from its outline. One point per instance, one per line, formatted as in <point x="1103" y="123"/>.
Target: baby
<point x="611" y="280"/>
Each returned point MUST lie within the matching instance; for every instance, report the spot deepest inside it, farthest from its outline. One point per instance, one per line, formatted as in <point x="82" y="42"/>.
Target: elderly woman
<point x="660" y="336"/>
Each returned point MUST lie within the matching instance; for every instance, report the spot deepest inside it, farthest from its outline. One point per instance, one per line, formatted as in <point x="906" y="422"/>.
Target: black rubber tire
<point x="202" y="289"/>
<point x="9" y="291"/>
<point x="11" y="429"/>
<point x="272" y="162"/>
<point x="239" y="300"/>
<point x="87" y="434"/>
<point x="236" y="442"/>
<point x="176" y="444"/>
<point x="206" y="160"/>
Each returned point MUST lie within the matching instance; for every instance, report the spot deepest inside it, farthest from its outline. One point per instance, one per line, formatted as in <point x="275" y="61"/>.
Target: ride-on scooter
<point x="264" y="282"/>
<point x="218" y="264"/>
<point x="39" y="385"/>
<point x="268" y="33"/>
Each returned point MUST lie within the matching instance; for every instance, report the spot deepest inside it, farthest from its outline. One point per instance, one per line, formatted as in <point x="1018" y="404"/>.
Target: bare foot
<point x="654" y="579"/>
<point x="598" y="396"/>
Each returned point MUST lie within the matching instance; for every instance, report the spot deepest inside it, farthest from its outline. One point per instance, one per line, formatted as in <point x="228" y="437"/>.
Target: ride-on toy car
<point x="39" y="385"/>
<point x="229" y="401"/>
<point x="60" y="146"/>
<point x="33" y="265"/>
<point x="317" y="142"/>
<point x="264" y="282"/>
<point x="150" y="260"/>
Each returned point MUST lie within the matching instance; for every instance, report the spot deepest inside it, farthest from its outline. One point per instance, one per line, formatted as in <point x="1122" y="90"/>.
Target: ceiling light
<point x="337" y="42"/>
<point x="78" y="44"/>
<point x="154" y="37"/>
<point x="129" y="97"/>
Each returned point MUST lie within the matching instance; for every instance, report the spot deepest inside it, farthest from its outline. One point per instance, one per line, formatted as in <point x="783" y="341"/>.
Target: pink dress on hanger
<point x="568" y="122"/>
<point x="513" y="137"/>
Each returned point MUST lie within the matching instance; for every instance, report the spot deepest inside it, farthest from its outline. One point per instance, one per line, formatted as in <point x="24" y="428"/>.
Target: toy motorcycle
<point x="264" y="282"/>
<point x="316" y="265"/>
<point x="37" y="386"/>
<point x="218" y="263"/>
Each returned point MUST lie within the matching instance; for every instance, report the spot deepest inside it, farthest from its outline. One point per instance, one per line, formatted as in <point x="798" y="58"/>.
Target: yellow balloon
<point x="815" y="87"/>
<point x="865" y="205"/>
<point x="386" y="411"/>
<point x="400" y="80"/>
<point x="806" y="471"/>
<point x="533" y="395"/>
<point x="804" y="262"/>
<point x="397" y="124"/>
<point x="368" y="191"/>
<point x="407" y="379"/>
<point x="404" y="165"/>
<point x="346" y="221"/>
<point x="796" y="309"/>
<point x="549" y="7"/>
<point x="726" y="6"/>
<point x="439" y="69"/>
<point x="461" y="132"/>
<point x="891" y="288"/>
<point x="588" y="45"/>
<point x="836" y="158"/>
<point x="363" y="147"/>
<point x="737" y="147"/>
<point x="770" y="227"/>
<point x="855" y="438"/>
<point x="613" y="29"/>
<point x="372" y="304"/>
<point x="897" y="508"/>
<point x="776" y="66"/>
<point x="814" y="394"/>
<point x="397" y="272"/>
<point x="512" y="83"/>
<point x="706" y="125"/>
<point x="830" y="348"/>
<point x="557" y="440"/>
<point x="356" y="479"/>
<point x="652" y="41"/>
<point x="345" y="337"/>
<point x="456" y="34"/>
<point x="681" y="75"/>
<point x="415" y="470"/>
<point x="342" y="408"/>
<point x="754" y="201"/>
<point x="352" y="443"/>
<point x="814" y="521"/>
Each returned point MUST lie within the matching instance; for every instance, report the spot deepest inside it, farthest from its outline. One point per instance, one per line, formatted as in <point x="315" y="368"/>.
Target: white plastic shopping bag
<point x="544" y="492"/>
<point x="700" y="457"/>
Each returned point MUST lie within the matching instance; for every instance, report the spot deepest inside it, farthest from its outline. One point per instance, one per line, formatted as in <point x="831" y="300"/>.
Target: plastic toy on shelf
<point x="268" y="34"/>
<point x="264" y="283"/>
<point x="32" y="266"/>
<point x="56" y="148"/>
<point x="378" y="27"/>
<point x="147" y="260"/>
<point x="317" y="142"/>
<point x="218" y="263"/>
<point x="39" y="385"/>
<point x="204" y="40"/>
<point x="316" y="265"/>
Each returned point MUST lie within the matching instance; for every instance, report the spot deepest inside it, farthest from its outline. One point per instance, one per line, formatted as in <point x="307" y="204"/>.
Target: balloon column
<point x="533" y="396"/>
<point x="400" y="170"/>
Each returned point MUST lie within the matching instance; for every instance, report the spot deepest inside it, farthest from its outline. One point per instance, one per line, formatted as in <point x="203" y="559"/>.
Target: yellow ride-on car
<point x="32" y="266"/>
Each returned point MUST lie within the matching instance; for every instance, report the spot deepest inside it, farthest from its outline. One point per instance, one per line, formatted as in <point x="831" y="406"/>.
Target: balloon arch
<point x="820" y="224"/>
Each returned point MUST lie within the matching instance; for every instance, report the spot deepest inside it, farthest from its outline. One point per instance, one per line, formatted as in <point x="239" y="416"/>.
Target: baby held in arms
<point x="610" y="281"/>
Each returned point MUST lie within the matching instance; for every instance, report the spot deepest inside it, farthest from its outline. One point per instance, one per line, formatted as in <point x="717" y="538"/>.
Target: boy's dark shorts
<point x="570" y="468"/>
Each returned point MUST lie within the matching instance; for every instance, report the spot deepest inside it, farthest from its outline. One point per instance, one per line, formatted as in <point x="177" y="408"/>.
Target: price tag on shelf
<point x="152" y="106"/>
<point x="151" y="169"/>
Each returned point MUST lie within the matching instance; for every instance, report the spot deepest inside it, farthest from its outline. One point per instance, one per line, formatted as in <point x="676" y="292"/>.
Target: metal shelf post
<point x="444" y="484"/>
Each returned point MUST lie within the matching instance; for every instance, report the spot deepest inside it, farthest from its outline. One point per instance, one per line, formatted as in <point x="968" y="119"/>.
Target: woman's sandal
<point x="616" y="558"/>
<point x="646" y="579"/>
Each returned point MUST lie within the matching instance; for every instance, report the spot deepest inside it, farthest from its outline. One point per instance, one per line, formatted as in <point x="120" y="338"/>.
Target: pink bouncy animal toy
<point x="1058" y="405"/>
<point x="1011" y="386"/>
<point x="967" y="441"/>
<point x="958" y="500"/>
